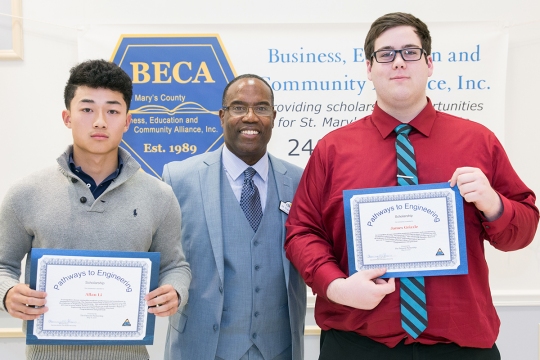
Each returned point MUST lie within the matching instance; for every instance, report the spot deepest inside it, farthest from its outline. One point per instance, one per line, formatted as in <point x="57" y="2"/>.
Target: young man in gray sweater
<point x="96" y="198"/>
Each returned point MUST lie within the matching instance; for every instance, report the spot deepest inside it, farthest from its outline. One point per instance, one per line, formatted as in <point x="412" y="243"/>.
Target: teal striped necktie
<point x="412" y="290"/>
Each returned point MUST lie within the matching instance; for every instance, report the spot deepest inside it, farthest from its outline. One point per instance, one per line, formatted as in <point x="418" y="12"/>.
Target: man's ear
<point x="66" y="117"/>
<point x="128" y="121"/>
<point x="221" y="116"/>
<point x="430" y="65"/>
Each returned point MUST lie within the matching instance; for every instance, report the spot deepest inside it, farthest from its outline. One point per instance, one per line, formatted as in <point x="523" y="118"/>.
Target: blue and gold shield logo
<point x="178" y="82"/>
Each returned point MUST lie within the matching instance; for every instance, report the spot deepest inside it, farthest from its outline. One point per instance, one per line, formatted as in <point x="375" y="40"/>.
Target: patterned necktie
<point x="250" y="201"/>
<point x="412" y="291"/>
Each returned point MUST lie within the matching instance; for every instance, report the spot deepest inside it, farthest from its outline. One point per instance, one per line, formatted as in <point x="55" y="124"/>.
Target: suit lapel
<point x="285" y="193"/>
<point x="209" y="178"/>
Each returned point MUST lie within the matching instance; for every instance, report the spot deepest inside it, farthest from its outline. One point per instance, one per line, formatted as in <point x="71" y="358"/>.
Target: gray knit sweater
<point x="53" y="208"/>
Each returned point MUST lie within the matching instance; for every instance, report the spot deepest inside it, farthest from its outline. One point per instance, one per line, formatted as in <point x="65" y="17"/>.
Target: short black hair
<point x="246" y="76"/>
<point x="98" y="74"/>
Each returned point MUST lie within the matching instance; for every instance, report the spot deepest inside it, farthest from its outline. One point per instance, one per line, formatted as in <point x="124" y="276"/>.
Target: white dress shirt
<point x="235" y="167"/>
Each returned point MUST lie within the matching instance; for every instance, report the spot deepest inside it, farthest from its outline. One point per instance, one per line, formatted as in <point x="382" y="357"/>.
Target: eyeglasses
<point x="242" y="110"/>
<point x="409" y="54"/>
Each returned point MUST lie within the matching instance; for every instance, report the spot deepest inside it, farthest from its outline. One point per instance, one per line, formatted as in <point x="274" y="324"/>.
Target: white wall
<point x="32" y="133"/>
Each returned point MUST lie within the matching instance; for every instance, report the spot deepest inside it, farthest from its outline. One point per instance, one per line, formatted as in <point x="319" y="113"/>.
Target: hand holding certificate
<point x="25" y="303"/>
<point x="411" y="231"/>
<point x="163" y="301"/>
<point x="94" y="297"/>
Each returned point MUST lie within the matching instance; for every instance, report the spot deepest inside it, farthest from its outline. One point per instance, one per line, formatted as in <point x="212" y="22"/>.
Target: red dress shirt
<point x="363" y="155"/>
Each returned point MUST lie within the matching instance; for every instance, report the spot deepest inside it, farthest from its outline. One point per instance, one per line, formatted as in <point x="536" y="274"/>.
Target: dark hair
<point x="98" y="74"/>
<point x="392" y="20"/>
<point x="246" y="76"/>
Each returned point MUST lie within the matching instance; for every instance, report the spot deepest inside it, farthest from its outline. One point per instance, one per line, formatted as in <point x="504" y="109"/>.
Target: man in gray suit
<point x="246" y="299"/>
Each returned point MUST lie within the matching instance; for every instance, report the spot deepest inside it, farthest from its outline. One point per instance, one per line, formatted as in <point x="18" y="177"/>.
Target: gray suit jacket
<point x="194" y="330"/>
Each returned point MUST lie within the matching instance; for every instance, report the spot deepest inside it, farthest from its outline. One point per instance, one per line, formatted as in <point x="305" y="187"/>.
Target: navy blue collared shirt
<point x="94" y="188"/>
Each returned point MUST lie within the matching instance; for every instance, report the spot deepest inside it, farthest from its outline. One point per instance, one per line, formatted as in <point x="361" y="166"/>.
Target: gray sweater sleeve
<point x="15" y="243"/>
<point x="174" y="269"/>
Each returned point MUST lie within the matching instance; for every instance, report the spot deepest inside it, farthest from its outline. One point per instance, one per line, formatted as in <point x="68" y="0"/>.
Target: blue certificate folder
<point x="66" y="337"/>
<point x="455" y="262"/>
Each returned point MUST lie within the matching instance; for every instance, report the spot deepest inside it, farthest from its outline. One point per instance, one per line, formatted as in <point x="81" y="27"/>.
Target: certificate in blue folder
<point x="94" y="297"/>
<point x="415" y="230"/>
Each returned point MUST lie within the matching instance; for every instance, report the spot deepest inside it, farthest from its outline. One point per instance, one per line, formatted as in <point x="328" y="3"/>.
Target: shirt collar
<point x="235" y="166"/>
<point x="77" y="169"/>
<point x="423" y="122"/>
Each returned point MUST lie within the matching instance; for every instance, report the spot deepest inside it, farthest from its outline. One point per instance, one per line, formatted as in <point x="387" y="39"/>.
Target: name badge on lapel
<point x="285" y="206"/>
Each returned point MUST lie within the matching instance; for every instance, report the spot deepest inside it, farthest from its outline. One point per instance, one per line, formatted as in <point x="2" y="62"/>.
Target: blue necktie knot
<point x="403" y="129"/>
<point x="248" y="174"/>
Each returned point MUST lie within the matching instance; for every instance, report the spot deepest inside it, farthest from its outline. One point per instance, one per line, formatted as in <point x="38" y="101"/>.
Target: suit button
<point x="73" y="180"/>
<point x="256" y="243"/>
<point x="257" y="314"/>
<point x="254" y="335"/>
<point x="221" y="289"/>
<point x="83" y="199"/>
<point x="257" y="267"/>
<point x="257" y="289"/>
<point x="216" y="327"/>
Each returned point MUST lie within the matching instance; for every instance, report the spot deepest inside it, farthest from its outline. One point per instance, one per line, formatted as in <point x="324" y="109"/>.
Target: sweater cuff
<point x="5" y="286"/>
<point x="184" y="295"/>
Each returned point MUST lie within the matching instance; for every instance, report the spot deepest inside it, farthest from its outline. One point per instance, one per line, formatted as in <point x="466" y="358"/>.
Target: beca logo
<point x="178" y="82"/>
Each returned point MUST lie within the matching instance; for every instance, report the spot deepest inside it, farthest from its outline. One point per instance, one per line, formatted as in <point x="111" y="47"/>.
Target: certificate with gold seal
<point x="415" y="230"/>
<point x="93" y="297"/>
